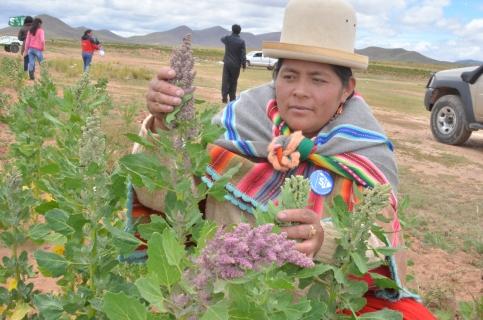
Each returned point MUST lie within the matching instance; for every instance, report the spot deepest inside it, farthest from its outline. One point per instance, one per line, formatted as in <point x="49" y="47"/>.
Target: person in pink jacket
<point x="34" y="45"/>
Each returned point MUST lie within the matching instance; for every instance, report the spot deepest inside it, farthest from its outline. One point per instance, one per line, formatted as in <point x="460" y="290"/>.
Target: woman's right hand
<point x="163" y="96"/>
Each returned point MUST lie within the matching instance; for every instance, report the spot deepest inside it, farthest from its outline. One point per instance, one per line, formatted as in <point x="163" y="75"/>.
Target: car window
<point x="258" y="54"/>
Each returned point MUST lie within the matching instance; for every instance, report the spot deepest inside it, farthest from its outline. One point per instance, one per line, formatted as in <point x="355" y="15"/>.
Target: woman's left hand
<point x="308" y="229"/>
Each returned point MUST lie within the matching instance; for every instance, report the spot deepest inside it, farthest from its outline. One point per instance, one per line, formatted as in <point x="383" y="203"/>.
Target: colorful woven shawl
<point x="352" y="146"/>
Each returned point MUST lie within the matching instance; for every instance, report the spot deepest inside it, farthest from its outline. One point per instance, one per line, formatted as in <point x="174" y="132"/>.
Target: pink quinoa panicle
<point x="182" y="62"/>
<point x="230" y="254"/>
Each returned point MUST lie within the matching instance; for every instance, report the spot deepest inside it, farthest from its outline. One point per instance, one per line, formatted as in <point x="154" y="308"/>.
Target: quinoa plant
<point x="196" y="270"/>
<point x="16" y="292"/>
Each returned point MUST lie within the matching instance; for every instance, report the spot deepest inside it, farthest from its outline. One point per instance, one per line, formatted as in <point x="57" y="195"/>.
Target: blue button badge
<point x="321" y="182"/>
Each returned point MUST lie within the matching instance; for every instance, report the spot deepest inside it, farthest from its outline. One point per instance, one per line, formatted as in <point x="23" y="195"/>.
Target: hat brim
<point x="315" y="54"/>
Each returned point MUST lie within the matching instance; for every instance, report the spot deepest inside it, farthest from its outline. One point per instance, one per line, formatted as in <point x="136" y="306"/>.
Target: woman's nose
<point x="300" y="90"/>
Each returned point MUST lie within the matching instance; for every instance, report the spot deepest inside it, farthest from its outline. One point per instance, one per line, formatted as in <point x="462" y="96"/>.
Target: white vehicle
<point x="256" y="58"/>
<point x="10" y="43"/>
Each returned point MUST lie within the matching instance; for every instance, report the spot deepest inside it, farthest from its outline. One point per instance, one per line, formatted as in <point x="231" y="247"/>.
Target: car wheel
<point x="14" y="48"/>
<point x="270" y="67"/>
<point x="7" y="48"/>
<point x="448" y="120"/>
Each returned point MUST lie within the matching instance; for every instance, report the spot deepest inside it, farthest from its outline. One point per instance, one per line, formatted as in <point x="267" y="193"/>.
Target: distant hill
<point x="399" y="54"/>
<point x="470" y="62"/>
<point x="57" y="29"/>
<point x="210" y="37"/>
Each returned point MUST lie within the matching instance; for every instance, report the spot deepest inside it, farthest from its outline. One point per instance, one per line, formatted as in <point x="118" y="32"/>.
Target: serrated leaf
<point x="38" y="232"/>
<point x="49" y="307"/>
<point x="158" y="264"/>
<point x="317" y="270"/>
<point x="157" y="224"/>
<point x="218" y="311"/>
<point x="57" y="221"/>
<point x="383" y="282"/>
<point x="138" y="139"/>
<point x="173" y="249"/>
<point x="360" y="262"/>
<point x="123" y="240"/>
<point x="119" y="306"/>
<point x="150" y="290"/>
<point x="51" y="264"/>
<point x="52" y="119"/>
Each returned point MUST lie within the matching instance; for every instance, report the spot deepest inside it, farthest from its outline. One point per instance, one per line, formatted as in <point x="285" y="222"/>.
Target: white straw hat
<point x="319" y="31"/>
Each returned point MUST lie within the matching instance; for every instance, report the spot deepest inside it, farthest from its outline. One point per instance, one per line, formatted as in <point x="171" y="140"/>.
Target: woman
<point x="311" y="99"/>
<point x="34" y="45"/>
<point x="22" y="36"/>
<point x="89" y="44"/>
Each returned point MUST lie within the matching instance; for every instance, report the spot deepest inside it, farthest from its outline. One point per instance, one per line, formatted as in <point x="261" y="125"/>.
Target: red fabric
<point x="409" y="308"/>
<point x="88" y="46"/>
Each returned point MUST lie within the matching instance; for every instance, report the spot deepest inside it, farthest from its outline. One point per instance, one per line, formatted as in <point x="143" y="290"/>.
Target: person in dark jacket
<point x="234" y="59"/>
<point x="22" y="36"/>
<point x="89" y="44"/>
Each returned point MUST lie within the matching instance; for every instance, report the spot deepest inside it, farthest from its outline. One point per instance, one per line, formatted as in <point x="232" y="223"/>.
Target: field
<point x="443" y="185"/>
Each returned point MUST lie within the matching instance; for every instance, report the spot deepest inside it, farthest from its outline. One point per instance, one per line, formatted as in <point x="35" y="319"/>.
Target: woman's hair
<point x="344" y="73"/>
<point x="28" y="20"/>
<point x="35" y="26"/>
<point x="87" y="32"/>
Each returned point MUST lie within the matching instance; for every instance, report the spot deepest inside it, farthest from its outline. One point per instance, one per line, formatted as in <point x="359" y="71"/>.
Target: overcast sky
<point x="440" y="29"/>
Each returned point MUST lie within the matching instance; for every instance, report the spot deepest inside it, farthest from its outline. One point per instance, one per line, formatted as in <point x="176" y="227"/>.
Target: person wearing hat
<point x="308" y="121"/>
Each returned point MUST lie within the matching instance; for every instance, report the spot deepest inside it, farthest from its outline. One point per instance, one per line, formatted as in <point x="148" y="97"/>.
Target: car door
<point x="477" y="94"/>
<point x="257" y="59"/>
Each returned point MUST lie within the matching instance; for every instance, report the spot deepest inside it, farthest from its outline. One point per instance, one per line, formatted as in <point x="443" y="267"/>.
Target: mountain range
<point x="210" y="37"/>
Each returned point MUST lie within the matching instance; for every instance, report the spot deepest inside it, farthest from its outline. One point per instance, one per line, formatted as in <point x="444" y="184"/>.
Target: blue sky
<point x="440" y="29"/>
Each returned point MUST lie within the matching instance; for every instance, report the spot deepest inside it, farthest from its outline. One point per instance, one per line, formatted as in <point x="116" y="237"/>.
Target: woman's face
<point x="308" y="94"/>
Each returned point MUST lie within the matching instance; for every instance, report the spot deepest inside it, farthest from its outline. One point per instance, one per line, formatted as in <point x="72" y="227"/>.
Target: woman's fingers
<point x="298" y="215"/>
<point x="162" y="96"/>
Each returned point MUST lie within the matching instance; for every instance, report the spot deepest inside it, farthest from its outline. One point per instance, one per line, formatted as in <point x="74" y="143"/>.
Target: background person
<point x="233" y="60"/>
<point x="34" y="45"/>
<point x="22" y="36"/>
<point x="89" y="44"/>
<point x="312" y="97"/>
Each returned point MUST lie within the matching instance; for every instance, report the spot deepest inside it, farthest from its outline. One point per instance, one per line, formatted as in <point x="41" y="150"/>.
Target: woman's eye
<point x="288" y="76"/>
<point x="319" y="80"/>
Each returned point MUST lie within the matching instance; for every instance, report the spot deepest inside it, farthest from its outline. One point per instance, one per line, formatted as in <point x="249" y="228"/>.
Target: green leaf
<point x="150" y="290"/>
<point x="57" y="221"/>
<point x="38" y="232"/>
<point x="218" y="311"/>
<point x="158" y="262"/>
<point x="384" y="314"/>
<point x="318" y="270"/>
<point x="52" y="119"/>
<point x="46" y="206"/>
<point x="138" y="139"/>
<point x="50" y="168"/>
<point x="48" y="306"/>
<point x="383" y="282"/>
<point x="217" y="190"/>
<point x="360" y="262"/>
<point x="51" y="264"/>
<point x="207" y="232"/>
<point x="157" y="224"/>
<point x="173" y="249"/>
<point x="119" y="306"/>
<point x="339" y="276"/>
<point x="123" y="240"/>
<point x="386" y="251"/>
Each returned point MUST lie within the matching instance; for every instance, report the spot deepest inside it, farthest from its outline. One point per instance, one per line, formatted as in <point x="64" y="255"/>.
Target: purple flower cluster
<point x="182" y="62"/>
<point x="230" y="254"/>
